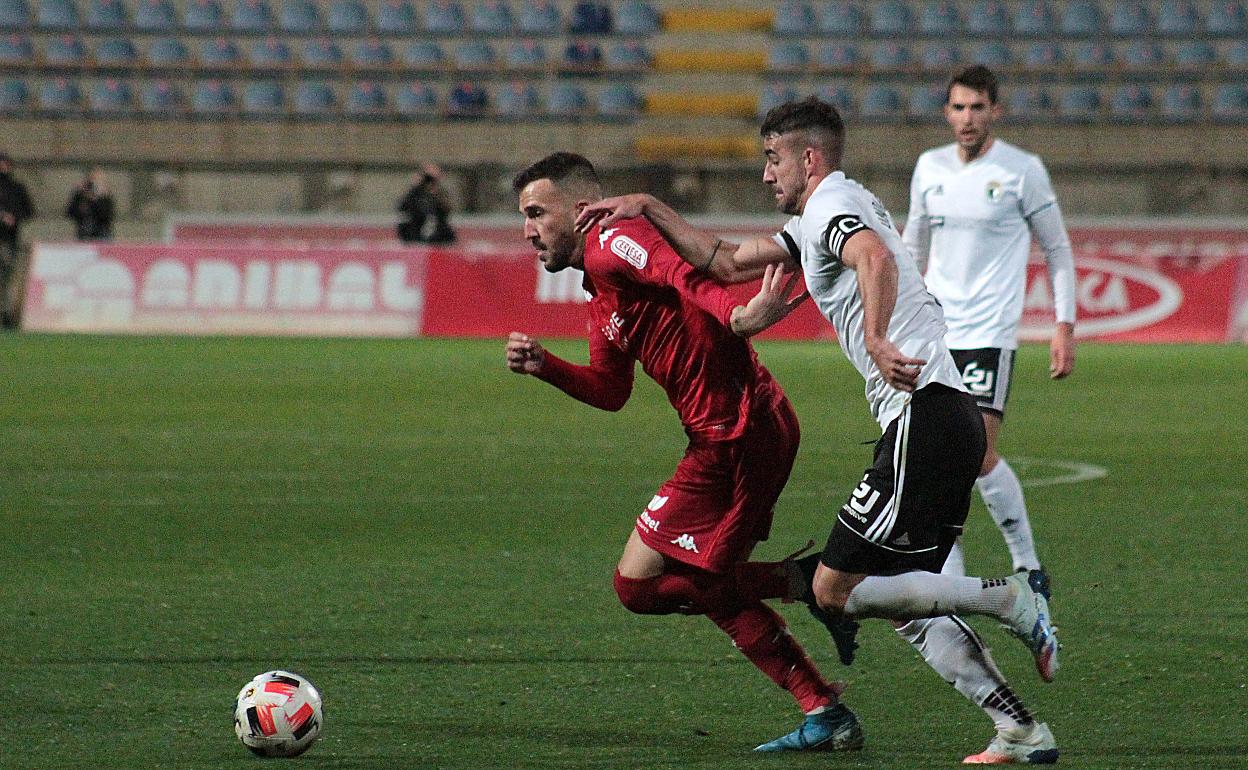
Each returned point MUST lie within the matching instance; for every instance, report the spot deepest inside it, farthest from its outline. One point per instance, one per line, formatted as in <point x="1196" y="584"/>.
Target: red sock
<point x="762" y="637"/>
<point x="686" y="590"/>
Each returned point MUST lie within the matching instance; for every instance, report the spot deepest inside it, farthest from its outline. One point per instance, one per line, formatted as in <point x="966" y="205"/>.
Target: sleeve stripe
<point x="791" y="244"/>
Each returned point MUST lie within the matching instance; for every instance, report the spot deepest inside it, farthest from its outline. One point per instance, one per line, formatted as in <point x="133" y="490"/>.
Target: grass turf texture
<point x="431" y="540"/>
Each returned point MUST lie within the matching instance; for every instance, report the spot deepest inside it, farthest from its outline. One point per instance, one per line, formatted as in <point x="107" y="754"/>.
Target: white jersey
<point x="971" y="223"/>
<point x="838" y="209"/>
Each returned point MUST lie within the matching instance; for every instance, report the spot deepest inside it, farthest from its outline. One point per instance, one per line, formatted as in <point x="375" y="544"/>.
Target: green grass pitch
<point x="431" y="540"/>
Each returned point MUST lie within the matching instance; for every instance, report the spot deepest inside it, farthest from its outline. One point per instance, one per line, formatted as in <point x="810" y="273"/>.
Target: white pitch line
<point x="1076" y="472"/>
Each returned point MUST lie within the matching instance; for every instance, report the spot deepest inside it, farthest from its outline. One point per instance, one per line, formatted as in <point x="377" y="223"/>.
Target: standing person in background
<point x="15" y="208"/>
<point x="91" y="207"/>
<point x="426" y="199"/>
<point x="974" y="207"/>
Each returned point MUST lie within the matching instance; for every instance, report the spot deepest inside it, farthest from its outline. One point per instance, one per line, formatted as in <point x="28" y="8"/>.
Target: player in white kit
<point x="974" y="207"/>
<point x="894" y="533"/>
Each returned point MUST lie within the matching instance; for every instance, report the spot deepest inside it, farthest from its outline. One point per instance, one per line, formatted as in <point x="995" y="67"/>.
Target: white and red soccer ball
<point x="278" y="714"/>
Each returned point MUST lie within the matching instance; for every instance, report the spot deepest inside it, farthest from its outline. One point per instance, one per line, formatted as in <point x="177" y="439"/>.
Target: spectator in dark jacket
<point x="15" y="208"/>
<point x="426" y="200"/>
<point x="91" y="208"/>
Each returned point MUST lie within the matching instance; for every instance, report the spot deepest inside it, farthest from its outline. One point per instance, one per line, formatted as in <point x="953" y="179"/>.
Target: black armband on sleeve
<point x="840" y="230"/>
<point x="794" y="251"/>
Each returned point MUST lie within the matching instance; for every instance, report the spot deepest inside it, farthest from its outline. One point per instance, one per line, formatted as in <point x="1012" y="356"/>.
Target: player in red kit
<point x="688" y="551"/>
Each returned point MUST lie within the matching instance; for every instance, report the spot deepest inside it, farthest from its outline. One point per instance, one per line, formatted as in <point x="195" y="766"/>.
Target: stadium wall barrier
<point x="1135" y="284"/>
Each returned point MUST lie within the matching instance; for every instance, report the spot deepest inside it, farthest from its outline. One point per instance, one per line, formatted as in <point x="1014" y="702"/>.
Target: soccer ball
<point x="278" y="714"/>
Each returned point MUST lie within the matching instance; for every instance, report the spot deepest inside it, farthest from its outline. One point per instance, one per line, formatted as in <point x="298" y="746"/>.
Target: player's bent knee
<point x="830" y="596"/>
<point x="637" y="594"/>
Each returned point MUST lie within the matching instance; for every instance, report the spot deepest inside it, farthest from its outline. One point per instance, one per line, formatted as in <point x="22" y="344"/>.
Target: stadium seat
<point x="567" y="100"/>
<point x="467" y="100"/>
<point x="1128" y="18"/>
<point x="396" y="17"/>
<point x="1142" y="56"/>
<point x="474" y="56"/>
<point x="1029" y="103"/>
<point x="443" y="17"/>
<point x="890" y="18"/>
<point x="1092" y="58"/>
<point x="14" y="15"/>
<point x="424" y="55"/>
<point x="263" y="99"/>
<point x="793" y="17"/>
<point x="619" y="101"/>
<point x="940" y="57"/>
<point x="220" y="52"/>
<point x="881" y="102"/>
<point x="581" y="57"/>
<point x="927" y="102"/>
<point x="787" y="56"/>
<point x="839" y="96"/>
<point x="525" y="55"/>
<point x="58" y="14"/>
<point x="627" y="56"/>
<point x="203" y="16"/>
<point x="300" y="17"/>
<point x="1131" y="103"/>
<point x="1230" y="103"/>
<point x="1181" y="103"/>
<point x="60" y="96"/>
<point x="416" y="100"/>
<point x="16" y="49"/>
<point x="322" y="53"/>
<point x="840" y="57"/>
<point x="636" y="17"/>
<point x="14" y="96"/>
<point x="890" y="56"/>
<point x="111" y="97"/>
<point x="993" y="54"/>
<point x="1033" y="18"/>
<point x="168" y="52"/>
<point x="839" y="19"/>
<point x="590" y="18"/>
<point x="155" y="16"/>
<point x="314" y="99"/>
<point x="1081" y="18"/>
<point x="1080" y="103"/>
<point x="1178" y="17"/>
<point x="539" y="18"/>
<point x="107" y="15"/>
<point x="161" y="97"/>
<point x="372" y="53"/>
<point x="269" y="52"/>
<point x="1194" y="56"/>
<point x="213" y="99"/>
<point x="348" y="17"/>
<point x="116" y="52"/>
<point x="491" y="17"/>
<point x="988" y="18"/>
<point x="939" y="18"/>
<point x="366" y="100"/>
<point x="65" y="50"/>
<point x="252" y="16"/>
<point x="773" y="95"/>
<point x="516" y="101"/>
<point x="1043" y="56"/>
<point x="1227" y="17"/>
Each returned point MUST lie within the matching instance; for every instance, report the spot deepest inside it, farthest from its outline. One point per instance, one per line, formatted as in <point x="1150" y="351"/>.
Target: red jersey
<point x="647" y="304"/>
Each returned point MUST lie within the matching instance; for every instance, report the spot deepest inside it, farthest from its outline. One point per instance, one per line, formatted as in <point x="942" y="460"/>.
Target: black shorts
<point x="911" y="505"/>
<point x="986" y="373"/>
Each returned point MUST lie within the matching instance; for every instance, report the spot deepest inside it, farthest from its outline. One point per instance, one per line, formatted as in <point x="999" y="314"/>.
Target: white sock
<point x="956" y="563"/>
<point x="927" y="595"/>
<point x="1003" y="494"/>
<point x="955" y="651"/>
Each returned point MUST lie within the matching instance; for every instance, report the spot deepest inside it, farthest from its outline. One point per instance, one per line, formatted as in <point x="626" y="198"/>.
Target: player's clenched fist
<point x="524" y="354"/>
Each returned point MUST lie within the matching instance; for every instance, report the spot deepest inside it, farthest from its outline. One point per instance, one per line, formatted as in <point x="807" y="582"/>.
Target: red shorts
<point x="720" y="501"/>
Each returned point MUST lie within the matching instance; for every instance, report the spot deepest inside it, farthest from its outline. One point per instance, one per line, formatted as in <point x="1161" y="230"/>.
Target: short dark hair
<point x="557" y="167"/>
<point x="811" y="114"/>
<point x="976" y="78"/>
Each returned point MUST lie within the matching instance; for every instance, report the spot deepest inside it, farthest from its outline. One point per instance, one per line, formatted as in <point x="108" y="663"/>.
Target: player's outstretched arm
<point x="605" y="384"/>
<point x="867" y="255"/>
<point x="772" y="304"/>
<point x="525" y="355"/>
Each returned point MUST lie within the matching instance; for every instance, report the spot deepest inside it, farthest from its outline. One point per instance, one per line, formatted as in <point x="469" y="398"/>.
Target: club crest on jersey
<point x="630" y="251"/>
<point x="994" y="191"/>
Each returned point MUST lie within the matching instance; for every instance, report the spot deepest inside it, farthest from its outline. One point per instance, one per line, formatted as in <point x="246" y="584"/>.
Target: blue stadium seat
<point x="474" y="55"/>
<point x="1082" y="18"/>
<point x="636" y="17"/>
<point x="939" y="18"/>
<point x="443" y="17"/>
<point x="881" y="102"/>
<point x="1235" y="57"/>
<point x="1033" y="18"/>
<point x="253" y="16"/>
<point x="1142" y="55"/>
<point x="940" y="57"/>
<point x="927" y="102"/>
<point x="155" y="16"/>
<point x="107" y="15"/>
<point x="1092" y="58"/>
<point x="263" y="99"/>
<point x="539" y="18"/>
<point x="219" y="52"/>
<point x="16" y="49"/>
<point x="58" y="14"/>
<point x="773" y="95"/>
<point x="1131" y="103"/>
<point x="1193" y="56"/>
<point x="839" y="96"/>
<point x="840" y="57"/>
<point x="491" y="17"/>
<point x="1029" y="103"/>
<point x="526" y="55"/>
<point x="627" y="56"/>
<point x="14" y="96"/>
<point x="1080" y="103"/>
<point x="1226" y="17"/>
<point x="14" y="15"/>
<point x="1230" y="103"/>
<point x="367" y="100"/>
<point x="1181" y="103"/>
<point x="424" y="55"/>
<point x="65" y="50"/>
<point x="301" y="17"/>
<point x="793" y="17"/>
<point x="581" y="56"/>
<point x="60" y="96"/>
<point x="161" y="97"/>
<point x="322" y="53"/>
<point x="314" y="99"/>
<point x="619" y="101"/>
<point x="839" y="19"/>
<point x="116" y="52"/>
<point x="396" y="17"/>
<point x="993" y="54"/>
<point x="787" y="56"/>
<point x="988" y="18"/>
<point x="890" y="18"/>
<point x="417" y="100"/>
<point x="1178" y="17"/>
<point x="467" y="100"/>
<point x="348" y="17"/>
<point x="889" y="56"/>
<point x="203" y="16"/>
<point x="168" y="52"/>
<point x="590" y="18"/>
<point x="1128" y="18"/>
<point x="567" y="100"/>
<point x="1043" y="56"/>
<point x="372" y="53"/>
<point x="270" y="52"/>
<point x="516" y="100"/>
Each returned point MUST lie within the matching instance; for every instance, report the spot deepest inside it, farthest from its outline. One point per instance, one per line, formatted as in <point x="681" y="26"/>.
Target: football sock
<point x="955" y="651"/>
<point x="761" y="636"/>
<point x="686" y="591"/>
<point x="956" y="563"/>
<point x="927" y="595"/>
<point x="1003" y="494"/>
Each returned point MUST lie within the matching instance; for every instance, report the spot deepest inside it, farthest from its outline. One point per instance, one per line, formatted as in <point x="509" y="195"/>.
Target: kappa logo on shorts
<point x="976" y="380"/>
<point x="630" y="251"/>
<point x="686" y="542"/>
